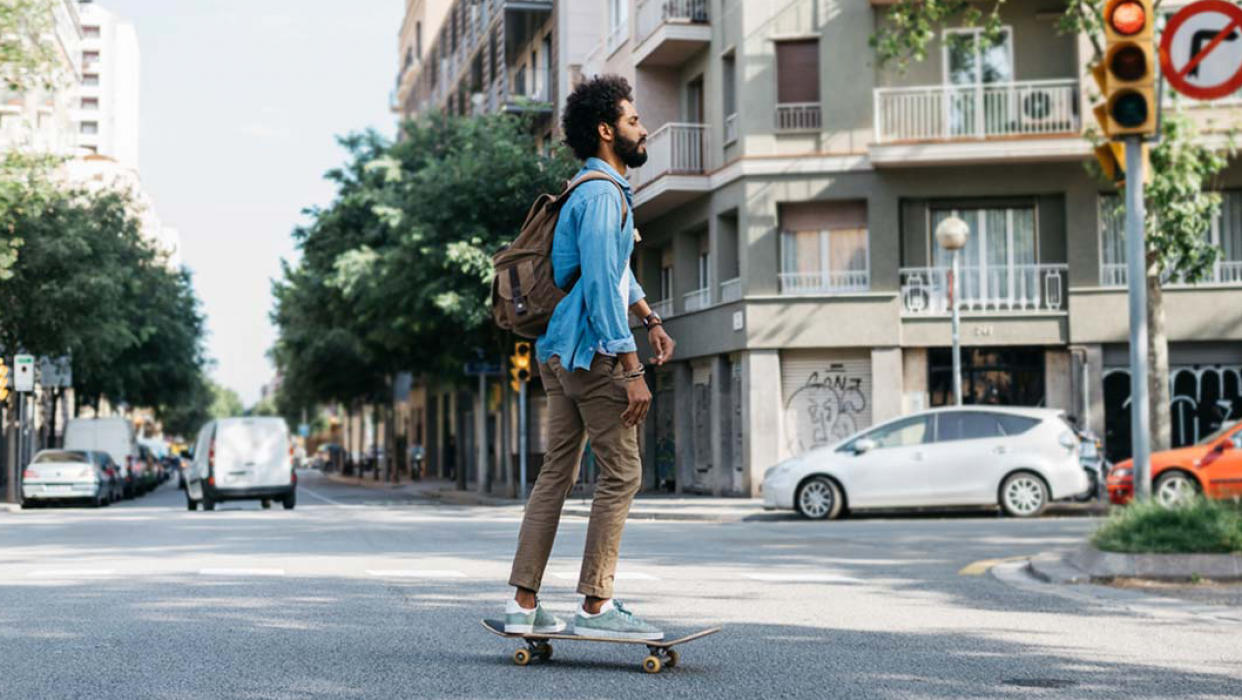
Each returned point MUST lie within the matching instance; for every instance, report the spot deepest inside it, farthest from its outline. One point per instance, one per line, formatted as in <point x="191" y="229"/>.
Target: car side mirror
<point x="864" y="446"/>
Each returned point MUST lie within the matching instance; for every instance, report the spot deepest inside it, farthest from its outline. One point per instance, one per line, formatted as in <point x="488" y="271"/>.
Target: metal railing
<point x="992" y="110"/>
<point x="674" y="148"/>
<point x="730" y="290"/>
<point x="798" y="116"/>
<point x="663" y="308"/>
<point x="825" y="282"/>
<point x="618" y="35"/>
<point x="1223" y="272"/>
<point x="730" y="129"/>
<point x="653" y="13"/>
<point x="534" y="85"/>
<point x="998" y="288"/>
<point x="698" y="300"/>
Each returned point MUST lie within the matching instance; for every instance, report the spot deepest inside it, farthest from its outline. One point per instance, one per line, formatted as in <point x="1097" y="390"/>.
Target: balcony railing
<point x="663" y="308"/>
<point x="1223" y="272"/>
<point x="825" y="282"/>
<point x="730" y="290"/>
<point x="996" y="110"/>
<point x="999" y="288"/>
<point x="730" y="131"/>
<point x="674" y="148"/>
<point x="618" y="35"/>
<point x="653" y="13"/>
<point x="534" y="85"/>
<point x="797" y="116"/>
<point x="698" y="300"/>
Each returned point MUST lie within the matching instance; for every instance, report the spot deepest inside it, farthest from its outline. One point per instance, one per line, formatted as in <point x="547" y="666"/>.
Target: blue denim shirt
<point x="590" y="241"/>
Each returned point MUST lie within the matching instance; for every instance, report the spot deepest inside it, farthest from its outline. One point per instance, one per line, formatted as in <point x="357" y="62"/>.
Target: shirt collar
<point x="600" y="165"/>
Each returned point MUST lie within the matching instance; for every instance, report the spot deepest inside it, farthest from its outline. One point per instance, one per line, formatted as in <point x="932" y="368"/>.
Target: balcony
<point x="668" y="32"/>
<point x="794" y="117"/>
<point x="531" y="91"/>
<point x="993" y="289"/>
<point x="698" y="300"/>
<point x="676" y="169"/>
<point x="663" y="308"/>
<point x="825" y="282"/>
<point x="1223" y="272"/>
<point x="1000" y="122"/>
<point x="731" y="290"/>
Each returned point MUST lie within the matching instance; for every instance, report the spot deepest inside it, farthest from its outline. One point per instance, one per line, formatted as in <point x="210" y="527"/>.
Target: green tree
<point x="1179" y="199"/>
<point x="225" y="403"/>
<point x="27" y="59"/>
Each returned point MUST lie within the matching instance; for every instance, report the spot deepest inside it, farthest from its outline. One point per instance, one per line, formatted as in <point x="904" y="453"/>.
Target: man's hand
<point x="640" y="401"/>
<point x="662" y="343"/>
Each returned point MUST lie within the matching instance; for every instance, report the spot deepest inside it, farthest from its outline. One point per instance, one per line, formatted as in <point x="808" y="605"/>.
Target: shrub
<point x="1201" y="526"/>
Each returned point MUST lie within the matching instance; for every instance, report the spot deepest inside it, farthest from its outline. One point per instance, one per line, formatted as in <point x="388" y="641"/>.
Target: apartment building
<point x="788" y="211"/>
<point x="40" y="120"/>
<point x="106" y="109"/>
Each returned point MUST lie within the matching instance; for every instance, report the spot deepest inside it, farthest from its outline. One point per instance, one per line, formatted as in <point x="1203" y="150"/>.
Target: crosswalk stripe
<point x="70" y="573"/>
<point x="414" y="573"/>
<point x="801" y="578"/>
<point x="241" y="572"/>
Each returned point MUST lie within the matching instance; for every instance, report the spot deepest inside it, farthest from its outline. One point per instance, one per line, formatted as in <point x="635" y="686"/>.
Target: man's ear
<point x="605" y="131"/>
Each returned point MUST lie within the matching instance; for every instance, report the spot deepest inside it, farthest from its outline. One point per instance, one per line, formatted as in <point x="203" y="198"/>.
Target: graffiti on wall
<point x="830" y="406"/>
<point x="1203" y="398"/>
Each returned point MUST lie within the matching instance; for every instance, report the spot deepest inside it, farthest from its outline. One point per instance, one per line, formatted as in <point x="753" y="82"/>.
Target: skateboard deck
<point x="539" y="646"/>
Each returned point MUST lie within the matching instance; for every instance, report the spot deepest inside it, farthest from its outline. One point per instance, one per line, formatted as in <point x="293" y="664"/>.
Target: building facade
<point x="40" y="120"/>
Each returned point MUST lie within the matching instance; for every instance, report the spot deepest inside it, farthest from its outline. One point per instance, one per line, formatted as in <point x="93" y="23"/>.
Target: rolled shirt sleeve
<point x="636" y="291"/>
<point x="604" y="271"/>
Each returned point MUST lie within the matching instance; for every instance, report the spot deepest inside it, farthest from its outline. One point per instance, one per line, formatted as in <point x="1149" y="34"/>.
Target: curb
<point x="10" y="508"/>
<point x="1088" y="564"/>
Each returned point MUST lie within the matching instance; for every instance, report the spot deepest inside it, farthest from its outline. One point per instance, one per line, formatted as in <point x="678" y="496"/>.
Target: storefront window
<point x="990" y="376"/>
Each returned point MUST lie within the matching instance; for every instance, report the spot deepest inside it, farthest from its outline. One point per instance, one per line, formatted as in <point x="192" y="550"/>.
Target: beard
<point x="629" y="151"/>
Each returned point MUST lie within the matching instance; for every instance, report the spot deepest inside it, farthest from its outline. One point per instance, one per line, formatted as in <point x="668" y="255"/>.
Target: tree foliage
<point x="28" y="60"/>
<point x="395" y="275"/>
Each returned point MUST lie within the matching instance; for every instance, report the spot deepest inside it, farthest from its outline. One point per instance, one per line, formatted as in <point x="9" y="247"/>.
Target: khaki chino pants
<point x="581" y="404"/>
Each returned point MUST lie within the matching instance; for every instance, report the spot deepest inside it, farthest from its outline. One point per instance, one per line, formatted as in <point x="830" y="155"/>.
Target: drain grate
<point x="1040" y="682"/>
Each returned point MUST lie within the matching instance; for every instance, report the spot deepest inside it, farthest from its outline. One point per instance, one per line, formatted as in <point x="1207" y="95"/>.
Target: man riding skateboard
<point x="589" y="364"/>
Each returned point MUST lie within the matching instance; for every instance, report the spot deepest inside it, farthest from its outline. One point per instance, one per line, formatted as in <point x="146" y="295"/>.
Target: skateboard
<point x="661" y="653"/>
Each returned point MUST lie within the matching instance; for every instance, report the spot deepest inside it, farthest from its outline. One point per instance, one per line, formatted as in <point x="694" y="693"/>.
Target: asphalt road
<point x="348" y="598"/>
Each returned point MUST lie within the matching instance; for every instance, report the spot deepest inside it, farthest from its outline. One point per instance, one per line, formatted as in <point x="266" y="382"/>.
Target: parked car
<point x="114" y="436"/>
<point x="1212" y="468"/>
<point x="242" y="459"/>
<point x="1018" y="458"/>
<point x="67" y="475"/>
<point x="328" y="456"/>
<point x="1092" y="457"/>
<point x="116" y="480"/>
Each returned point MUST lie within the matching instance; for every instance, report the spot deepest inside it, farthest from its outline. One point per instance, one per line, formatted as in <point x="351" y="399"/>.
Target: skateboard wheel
<point x="652" y="664"/>
<point x="521" y="657"/>
<point x="671" y="660"/>
<point x="544" y="651"/>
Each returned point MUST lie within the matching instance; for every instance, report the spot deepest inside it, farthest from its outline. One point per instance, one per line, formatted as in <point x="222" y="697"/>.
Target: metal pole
<point x="522" y="440"/>
<point x="957" y="340"/>
<point x="12" y="492"/>
<point x="480" y="425"/>
<point x="1136" y="269"/>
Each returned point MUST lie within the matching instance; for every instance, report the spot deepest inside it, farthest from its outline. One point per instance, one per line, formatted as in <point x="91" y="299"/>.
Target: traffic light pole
<point x="522" y="440"/>
<point x="1136" y="259"/>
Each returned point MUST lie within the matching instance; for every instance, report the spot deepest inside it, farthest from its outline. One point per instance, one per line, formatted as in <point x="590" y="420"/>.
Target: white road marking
<point x="325" y="499"/>
<point x="70" y="573"/>
<point x="241" y="572"/>
<point x="414" y="573"/>
<point x="621" y="575"/>
<point x="801" y="578"/>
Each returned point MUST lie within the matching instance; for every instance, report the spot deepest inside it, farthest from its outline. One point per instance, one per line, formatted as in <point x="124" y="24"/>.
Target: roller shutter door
<point x="826" y="396"/>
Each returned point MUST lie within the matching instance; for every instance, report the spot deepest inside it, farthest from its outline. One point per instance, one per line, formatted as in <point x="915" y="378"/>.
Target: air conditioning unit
<point x="1038" y="110"/>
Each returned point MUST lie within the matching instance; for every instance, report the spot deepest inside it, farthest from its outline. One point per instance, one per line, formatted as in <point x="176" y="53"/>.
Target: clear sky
<point x="241" y="104"/>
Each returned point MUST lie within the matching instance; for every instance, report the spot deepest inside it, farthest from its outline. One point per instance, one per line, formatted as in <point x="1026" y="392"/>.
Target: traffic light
<point x="520" y="365"/>
<point x="4" y="380"/>
<point x="1128" y="75"/>
<point x="1112" y="158"/>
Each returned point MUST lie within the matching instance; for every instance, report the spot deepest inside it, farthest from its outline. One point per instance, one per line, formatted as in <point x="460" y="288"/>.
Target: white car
<point x="240" y="459"/>
<point x="64" y="475"/>
<point x="1018" y="458"/>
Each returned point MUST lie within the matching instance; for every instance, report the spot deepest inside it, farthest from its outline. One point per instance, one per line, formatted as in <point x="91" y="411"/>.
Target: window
<point x="694" y="101"/>
<point x="618" y="23"/>
<point x="998" y="262"/>
<point x="968" y="60"/>
<point x="797" y="71"/>
<point x="666" y="282"/>
<point x="729" y="94"/>
<point x="91" y="103"/>
<point x="907" y="432"/>
<point x="90" y="128"/>
<point x="418" y="39"/>
<point x="990" y="376"/>
<point x="966" y="425"/>
<point x="824" y="247"/>
<point x="1225" y="232"/>
<point x="90" y="80"/>
<point x="90" y="32"/>
<point x="1016" y="425"/>
<point x="90" y="56"/>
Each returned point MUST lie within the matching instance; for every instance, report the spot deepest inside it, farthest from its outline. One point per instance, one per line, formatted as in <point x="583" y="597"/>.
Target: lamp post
<point x="952" y="234"/>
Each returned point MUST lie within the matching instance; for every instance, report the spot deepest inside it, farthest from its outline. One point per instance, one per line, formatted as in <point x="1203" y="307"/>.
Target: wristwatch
<point x="652" y="319"/>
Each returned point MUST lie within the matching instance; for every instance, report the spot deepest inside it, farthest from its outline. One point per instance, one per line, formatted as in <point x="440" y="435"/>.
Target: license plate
<point x="59" y="488"/>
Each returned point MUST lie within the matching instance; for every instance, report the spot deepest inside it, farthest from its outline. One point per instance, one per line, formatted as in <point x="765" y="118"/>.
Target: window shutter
<point x="797" y="71"/>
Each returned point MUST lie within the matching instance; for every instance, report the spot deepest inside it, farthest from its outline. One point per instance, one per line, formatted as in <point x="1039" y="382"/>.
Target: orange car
<point x="1213" y="468"/>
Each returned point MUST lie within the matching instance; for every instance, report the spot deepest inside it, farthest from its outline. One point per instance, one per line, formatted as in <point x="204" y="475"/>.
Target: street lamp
<point x="952" y="234"/>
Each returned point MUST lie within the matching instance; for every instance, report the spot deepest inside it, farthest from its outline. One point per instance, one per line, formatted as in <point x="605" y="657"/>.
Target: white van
<point x="114" y="436"/>
<point x="242" y="459"/>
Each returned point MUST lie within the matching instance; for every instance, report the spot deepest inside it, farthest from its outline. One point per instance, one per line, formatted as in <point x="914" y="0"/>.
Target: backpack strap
<point x="596" y="175"/>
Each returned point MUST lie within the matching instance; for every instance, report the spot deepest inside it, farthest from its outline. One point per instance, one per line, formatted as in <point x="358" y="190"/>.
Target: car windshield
<point x="1220" y="433"/>
<point x="59" y="456"/>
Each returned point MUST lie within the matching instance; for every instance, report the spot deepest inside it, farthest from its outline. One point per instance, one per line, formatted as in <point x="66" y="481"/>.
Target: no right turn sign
<point x="1201" y="50"/>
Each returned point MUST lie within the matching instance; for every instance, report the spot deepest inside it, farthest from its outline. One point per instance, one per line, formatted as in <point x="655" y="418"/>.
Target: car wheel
<point x="818" y="499"/>
<point x="1023" y="495"/>
<point x="290" y="501"/>
<point x="208" y="504"/>
<point x="266" y="503"/>
<point x="1175" y="488"/>
<point x="191" y="504"/>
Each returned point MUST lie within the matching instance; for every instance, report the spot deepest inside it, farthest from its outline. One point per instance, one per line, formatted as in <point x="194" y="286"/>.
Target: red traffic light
<point x="1128" y="18"/>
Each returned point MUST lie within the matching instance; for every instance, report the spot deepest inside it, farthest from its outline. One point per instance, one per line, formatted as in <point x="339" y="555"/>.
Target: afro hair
<point x="593" y="102"/>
